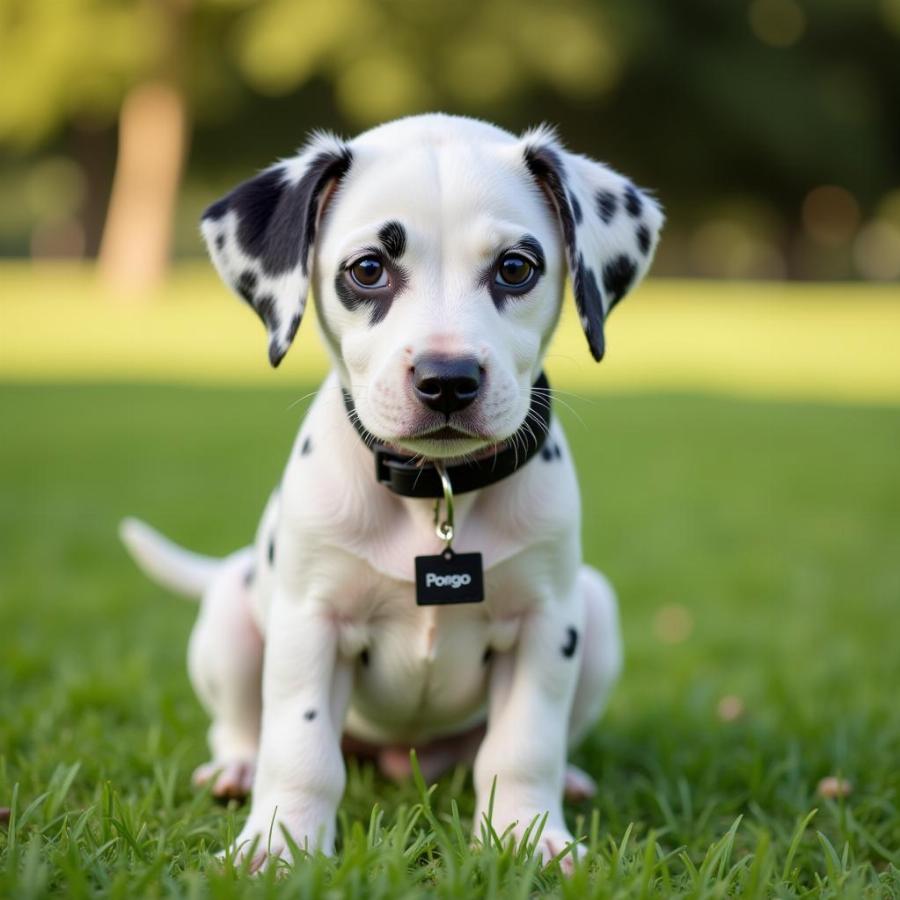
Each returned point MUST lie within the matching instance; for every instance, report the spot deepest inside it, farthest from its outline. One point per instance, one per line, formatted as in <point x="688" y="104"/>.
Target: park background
<point x="738" y="447"/>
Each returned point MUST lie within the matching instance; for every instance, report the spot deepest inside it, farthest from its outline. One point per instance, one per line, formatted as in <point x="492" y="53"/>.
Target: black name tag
<point x="449" y="578"/>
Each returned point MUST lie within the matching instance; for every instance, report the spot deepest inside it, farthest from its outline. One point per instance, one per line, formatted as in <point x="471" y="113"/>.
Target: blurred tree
<point x="154" y="65"/>
<point x="153" y="134"/>
<point x="735" y="111"/>
<point x="84" y="65"/>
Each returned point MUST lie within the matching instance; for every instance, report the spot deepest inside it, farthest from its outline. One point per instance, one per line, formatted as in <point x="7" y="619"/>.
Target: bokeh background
<point x="737" y="448"/>
<point x="769" y="128"/>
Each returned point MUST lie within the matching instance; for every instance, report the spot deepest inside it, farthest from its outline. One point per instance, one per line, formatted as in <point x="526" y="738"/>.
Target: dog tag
<point x="449" y="578"/>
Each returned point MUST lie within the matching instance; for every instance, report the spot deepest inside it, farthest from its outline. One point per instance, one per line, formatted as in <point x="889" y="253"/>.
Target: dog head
<point x="437" y="248"/>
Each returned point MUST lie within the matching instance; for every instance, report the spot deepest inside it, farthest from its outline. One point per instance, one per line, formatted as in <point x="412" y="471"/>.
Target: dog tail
<point x="165" y="562"/>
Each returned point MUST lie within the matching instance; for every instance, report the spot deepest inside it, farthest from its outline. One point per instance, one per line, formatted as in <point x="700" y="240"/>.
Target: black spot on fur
<point x="618" y="276"/>
<point x="292" y="328"/>
<point x="306" y="446"/>
<point x="392" y="236"/>
<point x="643" y="238"/>
<point x="550" y="452"/>
<point x="606" y="205"/>
<point x="215" y="211"/>
<point x="220" y="241"/>
<point x="246" y="285"/>
<point x="277" y="218"/>
<point x="590" y="306"/>
<point x="546" y="166"/>
<point x="265" y="309"/>
<point x="271" y="551"/>
<point x="531" y="245"/>
<point x="324" y="168"/>
<point x="364" y="657"/>
<point x="256" y="204"/>
<point x="277" y="351"/>
<point x="348" y="297"/>
<point x="276" y="223"/>
<point x="633" y="202"/>
<point x="571" y="644"/>
<point x="576" y="209"/>
<point x="309" y="715"/>
<point x="379" y="300"/>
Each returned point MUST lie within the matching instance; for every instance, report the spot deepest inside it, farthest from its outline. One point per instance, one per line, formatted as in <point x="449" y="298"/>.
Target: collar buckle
<point x="403" y="477"/>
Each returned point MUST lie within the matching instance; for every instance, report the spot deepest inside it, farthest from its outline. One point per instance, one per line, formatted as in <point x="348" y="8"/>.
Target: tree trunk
<point x="153" y="137"/>
<point x="94" y="148"/>
<point x="134" y="251"/>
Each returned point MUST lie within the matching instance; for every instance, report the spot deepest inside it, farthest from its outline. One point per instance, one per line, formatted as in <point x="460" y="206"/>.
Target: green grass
<point x="782" y="340"/>
<point x="765" y="534"/>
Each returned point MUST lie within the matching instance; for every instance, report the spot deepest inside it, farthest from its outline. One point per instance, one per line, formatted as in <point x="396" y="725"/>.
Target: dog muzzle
<point x="410" y="476"/>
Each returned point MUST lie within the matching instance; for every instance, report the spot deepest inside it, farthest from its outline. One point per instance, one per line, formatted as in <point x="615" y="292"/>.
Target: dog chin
<point x="445" y="448"/>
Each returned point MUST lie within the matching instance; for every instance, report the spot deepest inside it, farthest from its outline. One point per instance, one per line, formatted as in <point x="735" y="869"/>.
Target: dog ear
<point x="610" y="228"/>
<point x="261" y="235"/>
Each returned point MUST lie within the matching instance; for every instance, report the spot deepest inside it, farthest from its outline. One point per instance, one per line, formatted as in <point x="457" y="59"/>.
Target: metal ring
<point x="444" y="530"/>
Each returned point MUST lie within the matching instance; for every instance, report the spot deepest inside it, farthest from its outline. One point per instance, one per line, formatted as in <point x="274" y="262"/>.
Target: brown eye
<point x="514" y="271"/>
<point x="369" y="272"/>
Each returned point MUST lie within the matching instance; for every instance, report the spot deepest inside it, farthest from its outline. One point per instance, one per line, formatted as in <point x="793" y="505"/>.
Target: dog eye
<point x="369" y="272"/>
<point x="514" y="271"/>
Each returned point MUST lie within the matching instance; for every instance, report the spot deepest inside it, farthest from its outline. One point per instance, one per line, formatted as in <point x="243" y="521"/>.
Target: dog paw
<point x="578" y="785"/>
<point x="271" y="840"/>
<point x="228" y="780"/>
<point x="256" y="850"/>
<point x="553" y="842"/>
<point x="556" y="841"/>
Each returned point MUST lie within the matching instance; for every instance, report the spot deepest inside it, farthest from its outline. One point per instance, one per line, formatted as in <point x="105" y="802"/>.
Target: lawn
<point x="770" y="339"/>
<point x="754" y="543"/>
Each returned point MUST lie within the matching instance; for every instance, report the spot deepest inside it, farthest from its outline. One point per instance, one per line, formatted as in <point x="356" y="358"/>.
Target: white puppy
<point x="437" y="249"/>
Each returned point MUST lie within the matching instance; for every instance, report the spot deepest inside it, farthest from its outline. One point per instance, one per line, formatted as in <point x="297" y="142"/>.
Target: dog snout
<point x="446" y="384"/>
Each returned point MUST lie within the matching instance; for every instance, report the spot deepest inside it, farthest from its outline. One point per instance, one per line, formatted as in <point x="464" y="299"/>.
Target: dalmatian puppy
<point x="436" y="248"/>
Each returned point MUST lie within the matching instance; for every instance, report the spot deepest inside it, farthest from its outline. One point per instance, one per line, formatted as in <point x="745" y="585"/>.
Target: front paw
<point x="559" y="843"/>
<point x="228" y="780"/>
<point x="549" y="842"/>
<point x="270" y="836"/>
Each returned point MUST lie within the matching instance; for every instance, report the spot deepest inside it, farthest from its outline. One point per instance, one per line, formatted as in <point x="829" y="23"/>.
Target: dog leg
<point x="225" y="666"/>
<point x="601" y="656"/>
<point x="300" y="774"/>
<point x="521" y="765"/>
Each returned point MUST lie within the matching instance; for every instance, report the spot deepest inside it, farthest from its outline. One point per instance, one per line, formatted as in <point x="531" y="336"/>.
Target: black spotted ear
<point x="610" y="228"/>
<point x="260" y="236"/>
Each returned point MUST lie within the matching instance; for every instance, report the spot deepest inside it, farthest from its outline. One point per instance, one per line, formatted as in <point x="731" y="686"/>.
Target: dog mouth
<point x="447" y="433"/>
<point x="446" y="441"/>
<point x="468" y="434"/>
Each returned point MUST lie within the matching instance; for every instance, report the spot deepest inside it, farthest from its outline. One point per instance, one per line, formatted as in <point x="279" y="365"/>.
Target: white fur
<point x="342" y="579"/>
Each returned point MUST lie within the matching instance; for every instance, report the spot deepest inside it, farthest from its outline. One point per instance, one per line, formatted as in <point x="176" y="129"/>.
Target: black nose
<point x="446" y="384"/>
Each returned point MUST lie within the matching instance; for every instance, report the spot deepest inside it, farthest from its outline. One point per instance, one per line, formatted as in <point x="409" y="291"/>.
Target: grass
<point x="754" y="545"/>
<point x="798" y="341"/>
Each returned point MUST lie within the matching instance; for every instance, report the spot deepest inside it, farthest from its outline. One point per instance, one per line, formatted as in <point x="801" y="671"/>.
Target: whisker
<point x="314" y="393"/>
<point x="553" y="394"/>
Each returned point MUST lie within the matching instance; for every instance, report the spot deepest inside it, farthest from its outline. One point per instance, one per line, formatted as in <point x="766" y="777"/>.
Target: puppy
<point x="437" y="249"/>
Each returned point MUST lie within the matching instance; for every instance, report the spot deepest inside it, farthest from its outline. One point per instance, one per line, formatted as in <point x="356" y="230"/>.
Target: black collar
<point x="403" y="475"/>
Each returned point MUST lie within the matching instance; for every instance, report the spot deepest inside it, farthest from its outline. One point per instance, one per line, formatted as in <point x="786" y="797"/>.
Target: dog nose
<point x="446" y="384"/>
